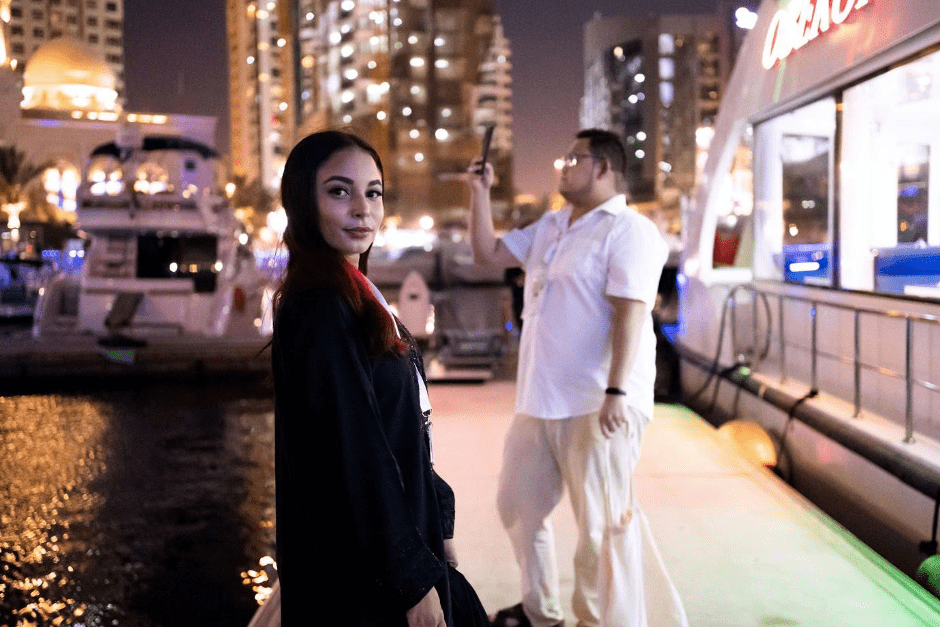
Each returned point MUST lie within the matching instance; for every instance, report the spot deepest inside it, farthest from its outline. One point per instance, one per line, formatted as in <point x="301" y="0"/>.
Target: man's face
<point x="578" y="172"/>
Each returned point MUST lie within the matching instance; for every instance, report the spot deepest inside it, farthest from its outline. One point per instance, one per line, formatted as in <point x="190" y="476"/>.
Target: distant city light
<point x="745" y="19"/>
<point x="350" y="74"/>
<point x="348" y="5"/>
<point x="446" y="112"/>
<point x="381" y="115"/>
<point x="335" y="37"/>
<point x="278" y="221"/>
<point x="426" y="222"/>
<point x="309" y="16"/>
<point x="250" y="60"/>
<point x="704" y="135"/>
<point x="640" y="78"/>
<point x="439" y="41"/>
<point x="282" y="42"/>
<point x="413" y="133"/>
<point x="347" y="50"/>
<point x="641" y="136"/>
<point x="413" y="39"/>
<point x="618" y="52"/>
<point x="441" y="134"/>
<point x="441" y="63"/>
<point x="406" y="111"/>
<point x="419" y="157"/>
<point x="417" y="62"/>
<point x="639" y="154"/>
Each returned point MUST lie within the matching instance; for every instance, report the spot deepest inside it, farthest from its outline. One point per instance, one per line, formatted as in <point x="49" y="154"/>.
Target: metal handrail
<point x="858" y="365"/>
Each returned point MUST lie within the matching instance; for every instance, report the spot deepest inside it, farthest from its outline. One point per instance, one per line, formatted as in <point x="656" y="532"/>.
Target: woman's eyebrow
<point x="349" y="181"/>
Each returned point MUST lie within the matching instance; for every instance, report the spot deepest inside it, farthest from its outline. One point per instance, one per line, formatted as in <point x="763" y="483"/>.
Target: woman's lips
<point x="359" y="232"/>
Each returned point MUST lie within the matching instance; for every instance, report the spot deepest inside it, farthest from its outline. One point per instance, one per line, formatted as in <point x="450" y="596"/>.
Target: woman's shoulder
<point x="319" y="305"/>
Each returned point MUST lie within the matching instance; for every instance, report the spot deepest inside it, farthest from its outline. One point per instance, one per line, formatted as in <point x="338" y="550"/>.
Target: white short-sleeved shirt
<point x="565" y="348"/>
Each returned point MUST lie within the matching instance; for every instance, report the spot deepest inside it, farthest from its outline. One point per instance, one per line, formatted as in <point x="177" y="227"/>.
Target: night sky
<point x="176" y="63"/>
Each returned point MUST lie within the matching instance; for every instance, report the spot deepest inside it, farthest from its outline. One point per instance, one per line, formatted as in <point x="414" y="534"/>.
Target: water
<point x="141" y="504"/>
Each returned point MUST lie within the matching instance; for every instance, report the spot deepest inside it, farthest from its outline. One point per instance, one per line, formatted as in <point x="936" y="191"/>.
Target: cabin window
<point x="889" y="207"/>
<point x="793" y="194"/>
<point x="179" y="257"/>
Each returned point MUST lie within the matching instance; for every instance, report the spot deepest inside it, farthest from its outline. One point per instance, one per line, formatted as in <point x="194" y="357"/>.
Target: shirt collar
<point x="615" y="205"/>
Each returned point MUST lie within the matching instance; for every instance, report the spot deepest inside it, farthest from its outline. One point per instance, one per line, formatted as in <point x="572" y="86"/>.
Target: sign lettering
<point x="803" y="21"/>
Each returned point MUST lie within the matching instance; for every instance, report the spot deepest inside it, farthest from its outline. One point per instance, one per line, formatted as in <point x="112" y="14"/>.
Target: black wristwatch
<point x="615" y="391"/>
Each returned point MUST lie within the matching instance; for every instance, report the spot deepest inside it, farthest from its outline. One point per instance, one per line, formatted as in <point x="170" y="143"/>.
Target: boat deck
<point x="742" y="548"/>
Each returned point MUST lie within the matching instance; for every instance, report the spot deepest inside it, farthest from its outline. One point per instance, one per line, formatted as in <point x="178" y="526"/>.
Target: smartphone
<point x="488" y="135"/>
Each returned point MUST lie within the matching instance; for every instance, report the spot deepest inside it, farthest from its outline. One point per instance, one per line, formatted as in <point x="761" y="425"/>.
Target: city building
<point x="262" y="111"/>
<point x="98" y="23"/>
<point x="419" y="79"/>
<point x="657" y="81"/>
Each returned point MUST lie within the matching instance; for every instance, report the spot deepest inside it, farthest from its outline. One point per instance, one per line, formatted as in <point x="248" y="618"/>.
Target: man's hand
<point x="480" y="183"/>
<point x="450" y="553"/>
<point x="427" y="613"/>
<point x="613" y="414"/>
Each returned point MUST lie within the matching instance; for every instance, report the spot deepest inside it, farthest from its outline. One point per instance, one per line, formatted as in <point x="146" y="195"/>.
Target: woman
<point x="362" y="519"/>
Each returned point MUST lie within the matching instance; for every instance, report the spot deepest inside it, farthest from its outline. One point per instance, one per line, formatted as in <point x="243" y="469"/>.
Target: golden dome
<point x="67" y="74"/>
<point x="67" y="61"/>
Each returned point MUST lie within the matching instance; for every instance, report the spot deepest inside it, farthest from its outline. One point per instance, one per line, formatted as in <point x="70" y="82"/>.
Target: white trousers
<point x="540" y="459"/>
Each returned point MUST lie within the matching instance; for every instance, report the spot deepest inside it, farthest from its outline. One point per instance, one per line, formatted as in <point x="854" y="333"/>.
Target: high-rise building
<point x="419" y="79"/>
<point x="98" y="23"/>
<point x="262" y="114"/>
<point x="657" y="81"/>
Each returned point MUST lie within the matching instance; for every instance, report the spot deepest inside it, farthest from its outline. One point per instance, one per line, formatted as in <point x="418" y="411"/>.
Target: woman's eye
<point x="374" y="193"/>
<point x="338" y="191"/>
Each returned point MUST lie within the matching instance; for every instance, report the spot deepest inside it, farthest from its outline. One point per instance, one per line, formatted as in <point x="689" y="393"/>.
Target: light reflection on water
<point x="143" y="507"/>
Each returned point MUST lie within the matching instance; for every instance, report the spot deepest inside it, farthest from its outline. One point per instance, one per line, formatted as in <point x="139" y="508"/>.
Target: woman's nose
<point x="359" y="206"/>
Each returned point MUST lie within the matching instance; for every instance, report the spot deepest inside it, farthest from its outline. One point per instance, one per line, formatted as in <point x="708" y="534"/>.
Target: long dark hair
<point x="312" y="263"/>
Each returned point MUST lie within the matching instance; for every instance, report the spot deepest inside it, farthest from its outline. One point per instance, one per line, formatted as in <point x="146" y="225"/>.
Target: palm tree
<point x="16" y="173"/>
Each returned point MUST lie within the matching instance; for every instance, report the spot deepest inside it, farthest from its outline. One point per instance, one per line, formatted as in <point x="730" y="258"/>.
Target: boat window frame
<point x="836" y="92"/>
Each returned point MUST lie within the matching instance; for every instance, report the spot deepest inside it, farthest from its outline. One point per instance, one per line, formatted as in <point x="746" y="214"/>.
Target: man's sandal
<point x="514" y="617"/>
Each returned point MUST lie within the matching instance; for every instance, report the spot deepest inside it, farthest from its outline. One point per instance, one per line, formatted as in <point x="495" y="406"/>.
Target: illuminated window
<point x="793" y="185"/>
<point x="890" y="227"/>
<point x="61" y="183"/>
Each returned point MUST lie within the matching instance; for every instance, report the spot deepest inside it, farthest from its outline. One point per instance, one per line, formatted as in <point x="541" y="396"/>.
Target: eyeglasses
<point x="571" y="160"/>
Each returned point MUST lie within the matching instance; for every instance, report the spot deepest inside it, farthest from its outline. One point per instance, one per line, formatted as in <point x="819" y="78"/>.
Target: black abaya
<point x="361" y="516"/>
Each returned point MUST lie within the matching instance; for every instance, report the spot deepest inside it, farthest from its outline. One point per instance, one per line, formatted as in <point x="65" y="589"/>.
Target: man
<point x="586" y="367"/>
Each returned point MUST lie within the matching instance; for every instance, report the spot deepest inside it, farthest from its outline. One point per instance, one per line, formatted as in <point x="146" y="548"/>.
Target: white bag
<point x="635" y="589"/>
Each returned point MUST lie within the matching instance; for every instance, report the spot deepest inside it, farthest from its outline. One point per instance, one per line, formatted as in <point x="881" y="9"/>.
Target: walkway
<point x="743" y="549"/>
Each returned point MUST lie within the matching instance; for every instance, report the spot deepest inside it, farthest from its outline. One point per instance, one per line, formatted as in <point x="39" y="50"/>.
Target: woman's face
<point x="349" y="197"/>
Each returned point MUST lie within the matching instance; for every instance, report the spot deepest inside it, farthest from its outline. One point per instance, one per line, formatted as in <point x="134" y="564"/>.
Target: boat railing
<point x="784" y="343"/>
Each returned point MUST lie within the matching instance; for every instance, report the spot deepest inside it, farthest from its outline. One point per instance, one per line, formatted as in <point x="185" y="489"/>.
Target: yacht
<point x="166" y="256"/>
<point x="808" y="287"/>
